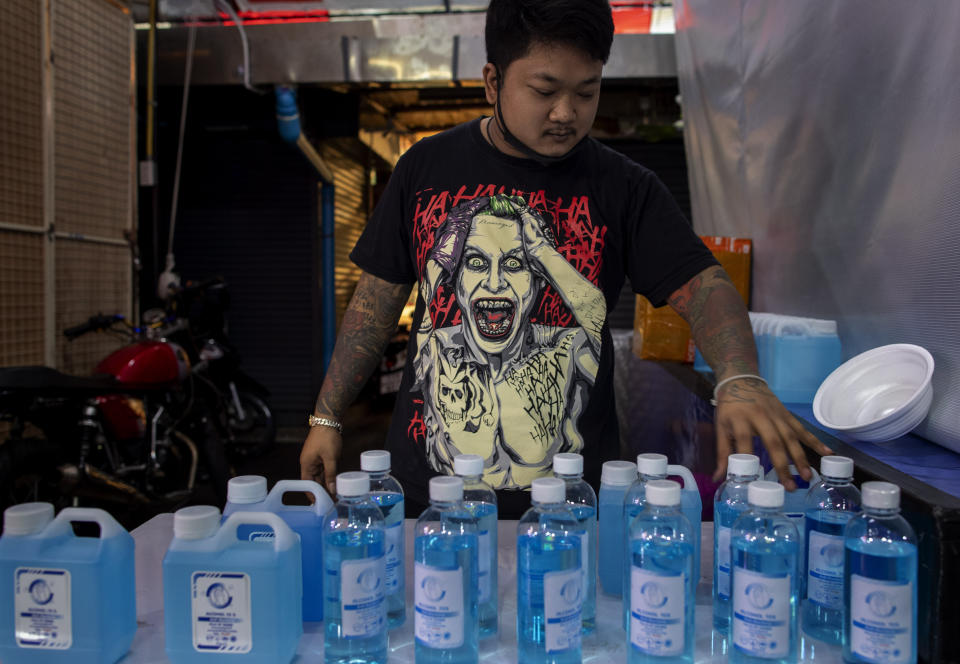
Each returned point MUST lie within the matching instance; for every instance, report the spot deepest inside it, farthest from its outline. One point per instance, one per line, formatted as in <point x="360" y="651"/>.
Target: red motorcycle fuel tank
<point x="146" y="363"/>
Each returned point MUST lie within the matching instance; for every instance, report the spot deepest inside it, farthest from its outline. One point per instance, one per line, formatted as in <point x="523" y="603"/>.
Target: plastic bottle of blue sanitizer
<point x="387" y="493"/>
<point x="583" y="502"/>
<point x="729" y="502"/>
<point x="549" y="578"/>
<point x="830" y="504"/>
<point x="480" y="498"/>
<point x="65" y="598"/>
<point x="616" y="478"/>
<point x="355" y="609"/>
<point x="307" y="522"/>
<point x="446" y="561"/>
<point x="662" y="580"/>
<point x="650" y="466"/>
<point x="764" y="584"/>
<point x="247" y="493"/>
<point x="880" y="581"/>
<point x="227" y="596"/>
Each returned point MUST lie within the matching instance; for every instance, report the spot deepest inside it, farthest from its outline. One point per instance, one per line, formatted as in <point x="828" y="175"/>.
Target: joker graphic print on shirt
<point x="509" y="345"/>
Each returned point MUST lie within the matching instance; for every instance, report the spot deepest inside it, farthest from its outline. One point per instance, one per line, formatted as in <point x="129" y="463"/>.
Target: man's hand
<point x="746" y="408"/>
<point x="319" y="457"/>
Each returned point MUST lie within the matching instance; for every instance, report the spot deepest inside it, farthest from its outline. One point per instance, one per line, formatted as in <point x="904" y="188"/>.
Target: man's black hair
<point x="513" y="26"/>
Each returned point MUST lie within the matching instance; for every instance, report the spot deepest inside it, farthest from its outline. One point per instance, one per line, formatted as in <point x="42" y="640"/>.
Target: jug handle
<point x="109" y="527"/>
<point x="321" y="500"/>
<point x="284" y="537"/>
<point x="689" y="484"/>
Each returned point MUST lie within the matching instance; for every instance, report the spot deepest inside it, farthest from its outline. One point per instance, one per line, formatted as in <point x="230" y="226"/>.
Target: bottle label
<point x="562" y="605"/>
<point x="657" y="612"/>
<point x="220" y="612"/>
<point x="362" y="585"/>
<point x="723" y="562"/>
<point x="825" y="570"/>
<point x="761" y="613"/>
<point x="42" y="605"/>
<point x="485" y="579"/>
<point x="881" y="617"/>
<point x="438" y="606"/>
<point x="394" y="557"/>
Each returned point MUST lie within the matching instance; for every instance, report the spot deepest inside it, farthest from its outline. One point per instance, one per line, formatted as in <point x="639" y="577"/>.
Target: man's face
<point x="548" y="97"/>
<point x="495" y="285"/>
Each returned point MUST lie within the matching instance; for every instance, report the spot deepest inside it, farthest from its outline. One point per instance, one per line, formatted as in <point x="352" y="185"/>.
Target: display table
<point x="607" y="642"/>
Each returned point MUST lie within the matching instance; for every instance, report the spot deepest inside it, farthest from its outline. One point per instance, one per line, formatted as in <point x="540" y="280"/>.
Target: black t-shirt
<point x="517" y="264"/>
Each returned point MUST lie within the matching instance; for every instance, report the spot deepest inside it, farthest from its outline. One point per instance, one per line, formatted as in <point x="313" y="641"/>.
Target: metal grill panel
<point x="21" y="298"/>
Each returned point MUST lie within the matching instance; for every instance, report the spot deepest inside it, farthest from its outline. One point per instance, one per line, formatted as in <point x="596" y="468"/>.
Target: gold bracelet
<point x="315" y="421"/>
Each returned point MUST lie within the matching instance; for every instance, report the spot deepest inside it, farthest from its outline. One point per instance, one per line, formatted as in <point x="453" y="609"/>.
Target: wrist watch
<point x="315" y="421"/>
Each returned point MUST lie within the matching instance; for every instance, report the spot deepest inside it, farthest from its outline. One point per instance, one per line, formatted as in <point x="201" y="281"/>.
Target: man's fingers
<point x="788" y="435"/>
<point x="329" y="469"/>
<point x="723" y="451"/>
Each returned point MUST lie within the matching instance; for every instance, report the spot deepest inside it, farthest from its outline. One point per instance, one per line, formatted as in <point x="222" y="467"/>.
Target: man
<point x="519" y="230"/>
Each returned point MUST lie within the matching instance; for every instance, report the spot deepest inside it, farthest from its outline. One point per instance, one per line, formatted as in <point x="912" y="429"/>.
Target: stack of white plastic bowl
<point x="878" y="395"/>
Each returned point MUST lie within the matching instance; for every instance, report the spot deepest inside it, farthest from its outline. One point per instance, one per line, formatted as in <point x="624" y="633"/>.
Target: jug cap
<point x="27" y="518"/>
<point x="880" y="495"/>
<point x="664" y="493"/>
<point x="836" y="466"/>
<point x="196" y="522"/>
<point x="351" y="485"/>
<point x="446" y="489"/>
<point x="375" y="461"/>
<point x="743" y="464"/>
<point x="618" y="473"/>
<point x="245" y="489"/>
<point x="468" y="464"/>
<point x="568" y="463"/>
<point x="548" y="490"/>
<point x="765" y="494"/>
<point x="652" y="464"/>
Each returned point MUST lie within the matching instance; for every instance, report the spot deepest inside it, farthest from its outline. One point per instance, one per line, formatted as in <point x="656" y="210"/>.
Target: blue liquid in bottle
<point x="650" y="467"/>
<point x="880" y="582"/>
<point x="65" y="598"/>
<point x="355" y="610"/>
<point x="228" y="597"/>
<point x="829" y="505"/>
<point x="662" y="579"/>
<point x="480" y="498"/>
<point x="549" y="579"/>
<point x="387" y="493"/>
<point x="729" y="502"/>
<point x="583" y="503"/>
<point x="446" y="624"/>
<point x="615" y="480"/>
<point x="764" y="585"/>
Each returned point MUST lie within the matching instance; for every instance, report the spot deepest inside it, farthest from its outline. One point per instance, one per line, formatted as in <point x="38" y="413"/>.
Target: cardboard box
<point x="661" y="334"/>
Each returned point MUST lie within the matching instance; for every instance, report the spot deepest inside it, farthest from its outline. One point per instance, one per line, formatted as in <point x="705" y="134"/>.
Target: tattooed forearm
<point x="718" y="322"/>
<point x="368" y="324"/>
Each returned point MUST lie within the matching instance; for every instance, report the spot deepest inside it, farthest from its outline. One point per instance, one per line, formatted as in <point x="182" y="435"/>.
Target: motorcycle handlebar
<point x="98" y="322"/>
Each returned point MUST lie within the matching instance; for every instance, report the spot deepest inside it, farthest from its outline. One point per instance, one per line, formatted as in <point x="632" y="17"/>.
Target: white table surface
<point x="607" y="643"/>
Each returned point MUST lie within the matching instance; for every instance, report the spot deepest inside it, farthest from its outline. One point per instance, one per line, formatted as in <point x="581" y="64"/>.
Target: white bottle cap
<point x="549" y="490"/>
<point x="375" y="461"/>
<point x="840" y="467"/>
<point x="665" y="493"/>
<point x="27" y="518"/>
<point x="245" y="489"/>
<point x="880" y="495"/>
<point x="446" y="489"/>
<point x="197" y="522"/>
<point x="567" y="463"/>
<point x="618" y="473"/>
<point x="743" y="464"/>
<point x="350" y="485"/>
<point x="652" y="464"/>
<point x="765" y="494"/>
<point x="468" y="464"/>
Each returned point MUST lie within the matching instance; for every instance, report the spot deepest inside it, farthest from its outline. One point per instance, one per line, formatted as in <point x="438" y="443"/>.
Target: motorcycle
<point x="138" y="434"/>
<point x="195" y="318"/>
